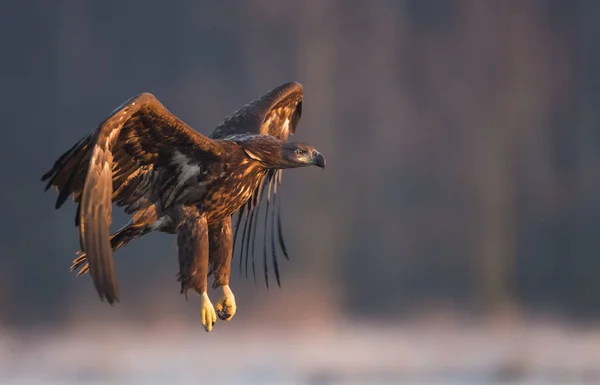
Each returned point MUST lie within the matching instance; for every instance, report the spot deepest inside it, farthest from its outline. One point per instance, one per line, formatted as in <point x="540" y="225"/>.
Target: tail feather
<point x="117" y="240"/>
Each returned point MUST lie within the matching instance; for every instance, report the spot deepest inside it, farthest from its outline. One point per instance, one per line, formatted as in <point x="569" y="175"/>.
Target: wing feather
<point x="121" y="162"/>
<point x="95" y="218"/>
<point x="275" y="113"/>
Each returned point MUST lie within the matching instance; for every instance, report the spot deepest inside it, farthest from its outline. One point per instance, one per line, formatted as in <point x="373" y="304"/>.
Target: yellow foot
<point x="207" y="312"/>
<point x="226" y="305"/>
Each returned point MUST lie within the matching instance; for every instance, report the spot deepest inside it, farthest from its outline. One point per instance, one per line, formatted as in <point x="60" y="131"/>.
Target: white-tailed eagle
<point x="175" y="180"/>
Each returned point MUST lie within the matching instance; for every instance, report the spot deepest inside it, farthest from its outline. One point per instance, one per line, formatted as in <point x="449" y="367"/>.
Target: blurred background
<point x="452" y="239"/>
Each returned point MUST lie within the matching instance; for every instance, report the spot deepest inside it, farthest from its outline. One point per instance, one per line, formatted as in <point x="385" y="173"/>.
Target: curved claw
<point x="208" y="316"/>
<point x="226" y="306"/>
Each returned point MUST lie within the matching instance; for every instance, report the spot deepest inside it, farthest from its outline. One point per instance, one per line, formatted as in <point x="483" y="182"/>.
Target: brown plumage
<point x="176" y="180"/>
<point x="277" y="113"/>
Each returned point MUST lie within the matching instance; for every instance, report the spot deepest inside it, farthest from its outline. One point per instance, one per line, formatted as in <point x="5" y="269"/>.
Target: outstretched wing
<point x="129" y="159"/>
<point x="276" y="113"/>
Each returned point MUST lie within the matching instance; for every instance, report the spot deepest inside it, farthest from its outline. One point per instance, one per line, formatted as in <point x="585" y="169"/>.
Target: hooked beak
<point x="319" y="160"/>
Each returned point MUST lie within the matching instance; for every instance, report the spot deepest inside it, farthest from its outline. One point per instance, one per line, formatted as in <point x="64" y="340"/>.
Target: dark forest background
<point x="462" y="139"/>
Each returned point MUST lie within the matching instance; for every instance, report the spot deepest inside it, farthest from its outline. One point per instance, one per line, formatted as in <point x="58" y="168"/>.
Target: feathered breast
<point x="232" y="189"/>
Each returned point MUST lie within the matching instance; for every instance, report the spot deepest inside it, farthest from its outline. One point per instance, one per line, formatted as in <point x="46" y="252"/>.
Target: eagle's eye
<point x="300" y="151"/>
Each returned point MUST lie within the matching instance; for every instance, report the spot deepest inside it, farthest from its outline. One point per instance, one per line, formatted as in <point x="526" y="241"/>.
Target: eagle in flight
<point x="175" y="180"/>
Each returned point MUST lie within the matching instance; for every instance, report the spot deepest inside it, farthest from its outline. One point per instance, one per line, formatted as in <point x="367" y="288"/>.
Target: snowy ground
<point x="411" y="353"/>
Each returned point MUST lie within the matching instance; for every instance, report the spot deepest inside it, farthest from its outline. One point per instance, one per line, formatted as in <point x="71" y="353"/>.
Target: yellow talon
<point x="226" y="305"/>
<point x="208" y="316"/>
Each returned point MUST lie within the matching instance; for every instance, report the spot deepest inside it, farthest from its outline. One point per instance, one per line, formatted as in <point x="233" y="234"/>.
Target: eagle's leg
<point x="192" y="242"/>
<point x="221" y="247"/>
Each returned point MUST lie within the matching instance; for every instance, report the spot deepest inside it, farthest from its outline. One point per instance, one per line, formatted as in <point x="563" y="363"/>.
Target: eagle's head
<point x="298" y="154"/>
<point x="274" y="153"/>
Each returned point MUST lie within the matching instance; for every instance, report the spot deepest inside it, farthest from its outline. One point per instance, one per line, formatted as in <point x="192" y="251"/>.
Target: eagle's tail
<point x="69" y="171"/>
<point x="117" y="240"/>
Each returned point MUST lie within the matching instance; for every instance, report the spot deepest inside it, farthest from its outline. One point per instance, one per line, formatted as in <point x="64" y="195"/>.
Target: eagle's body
<point x="236" y="183"/>
<point x="175" y="180"/>
<point x="217" y="187"/>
